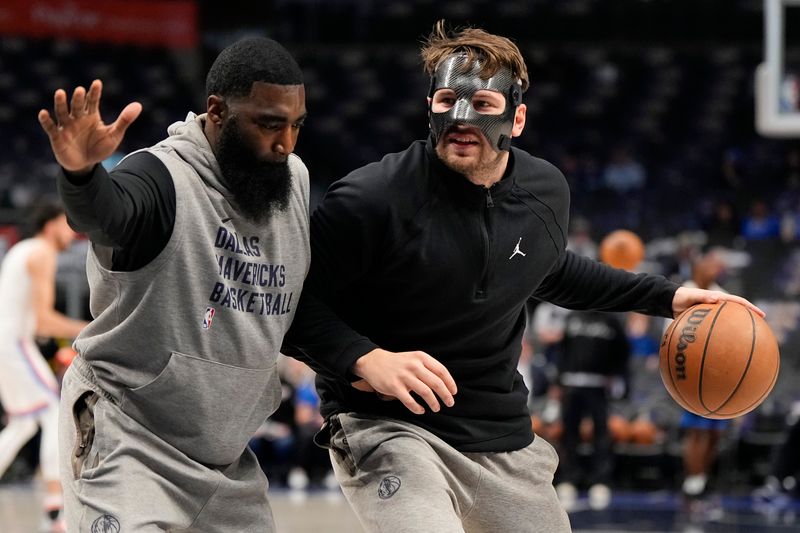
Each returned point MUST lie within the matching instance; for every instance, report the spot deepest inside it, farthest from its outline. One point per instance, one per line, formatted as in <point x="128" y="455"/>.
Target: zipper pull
<point x="489" y="201"/>
<point x="81" y="449"/>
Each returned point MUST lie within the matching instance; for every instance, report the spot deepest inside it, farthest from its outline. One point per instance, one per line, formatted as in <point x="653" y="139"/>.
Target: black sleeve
<point x="577" y="282"/>
<point x="131" y="209"/>
<point x="346" y="230"/>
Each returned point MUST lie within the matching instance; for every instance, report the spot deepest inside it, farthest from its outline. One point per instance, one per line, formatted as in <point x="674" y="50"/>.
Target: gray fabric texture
<point x="118" y="476"/>
<point x="187" y="345"/>
<point x="400" y="478"/>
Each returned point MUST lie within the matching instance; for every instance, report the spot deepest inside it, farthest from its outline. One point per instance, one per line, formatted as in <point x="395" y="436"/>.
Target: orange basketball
<point x="619" y="428"/>
<point x="643" y="431"/>
<point x="622" y="249"/>
<point x="553" y="431"/>
<point x="719" y="360"/>
<point x="536" y="424"/>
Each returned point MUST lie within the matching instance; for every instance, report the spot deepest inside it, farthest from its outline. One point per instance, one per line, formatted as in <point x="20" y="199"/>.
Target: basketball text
<point x="687" y="337"/>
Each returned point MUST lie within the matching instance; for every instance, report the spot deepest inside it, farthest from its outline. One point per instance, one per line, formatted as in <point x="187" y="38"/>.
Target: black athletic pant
<point x="787" y="461"/>
<point x="577" y="402"/>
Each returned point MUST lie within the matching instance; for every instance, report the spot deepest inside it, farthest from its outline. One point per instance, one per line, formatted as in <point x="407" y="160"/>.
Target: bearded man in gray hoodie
<point x="199" y="248"/>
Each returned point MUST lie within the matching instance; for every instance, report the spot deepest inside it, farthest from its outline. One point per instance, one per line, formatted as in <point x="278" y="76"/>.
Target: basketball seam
<point x="747" y="366"/>
<point x="669" y="359"/>
<point x="703" y="360"/>
<point x="763" y="395"/>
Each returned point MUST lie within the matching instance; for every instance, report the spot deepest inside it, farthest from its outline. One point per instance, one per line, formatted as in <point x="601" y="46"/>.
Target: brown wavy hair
<point x="493" y="51"/>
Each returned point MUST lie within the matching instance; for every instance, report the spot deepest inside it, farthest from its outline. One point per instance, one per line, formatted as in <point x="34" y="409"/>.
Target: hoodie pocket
<point x="333" y="437"/>
<point x="205" y="409"/>
<point x="84" y="422"/>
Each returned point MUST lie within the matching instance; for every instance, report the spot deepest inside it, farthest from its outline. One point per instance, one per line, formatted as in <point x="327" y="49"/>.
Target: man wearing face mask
<point x="199" y="251"/>
<point x="422" y="264"/>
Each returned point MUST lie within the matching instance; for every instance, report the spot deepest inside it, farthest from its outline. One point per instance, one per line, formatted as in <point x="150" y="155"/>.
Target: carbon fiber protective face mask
<point x="450" y="74"/>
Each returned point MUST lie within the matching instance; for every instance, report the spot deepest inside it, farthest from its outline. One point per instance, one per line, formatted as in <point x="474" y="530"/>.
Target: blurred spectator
<point x="723" y="227"/>
<point x="639" y="331"/>
<point x="790" y="224"/>
<point x="623" y="173"/>
<point x="645" y="386"/>
<point x="580" y="239"/>
<point x="548" y="329"/>
<point x="684" y="256"/>
<point x="274" y="442"/>
<point x="310" y="463"/>
<point x="760" y="224"/>
<point x="544" y="330"/>
<point x="284" y="444"/>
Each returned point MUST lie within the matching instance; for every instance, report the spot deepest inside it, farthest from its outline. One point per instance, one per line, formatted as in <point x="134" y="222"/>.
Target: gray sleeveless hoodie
<point x="187" y="345"/>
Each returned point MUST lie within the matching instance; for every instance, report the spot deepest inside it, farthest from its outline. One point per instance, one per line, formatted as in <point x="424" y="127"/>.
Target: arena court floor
<point x="328" y="512"/>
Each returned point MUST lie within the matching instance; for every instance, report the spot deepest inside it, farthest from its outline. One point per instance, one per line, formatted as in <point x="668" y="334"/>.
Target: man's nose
<point x="284" y="142"/>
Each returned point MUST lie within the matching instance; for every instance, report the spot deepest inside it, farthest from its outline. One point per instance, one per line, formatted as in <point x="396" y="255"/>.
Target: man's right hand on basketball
<point x="78" y="136"/>
<point x="397" y="375"/>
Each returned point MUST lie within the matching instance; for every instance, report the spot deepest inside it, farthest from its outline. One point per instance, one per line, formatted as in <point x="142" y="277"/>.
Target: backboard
<point x="777" y="85"/>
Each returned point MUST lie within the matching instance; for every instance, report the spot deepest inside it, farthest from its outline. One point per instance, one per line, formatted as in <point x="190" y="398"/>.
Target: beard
<point x="483" y="164"/>
<point x="260" y="188"/>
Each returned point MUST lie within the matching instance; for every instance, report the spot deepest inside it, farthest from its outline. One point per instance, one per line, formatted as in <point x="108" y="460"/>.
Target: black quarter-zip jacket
<point x="409" y="255"/>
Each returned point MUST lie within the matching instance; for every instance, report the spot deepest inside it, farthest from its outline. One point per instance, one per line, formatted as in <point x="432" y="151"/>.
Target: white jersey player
<point x="28" y="389"/>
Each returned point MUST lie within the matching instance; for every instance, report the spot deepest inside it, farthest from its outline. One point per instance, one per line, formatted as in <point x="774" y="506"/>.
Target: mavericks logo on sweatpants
<point x="106" y="524"/>
<point x="388" y="487"/>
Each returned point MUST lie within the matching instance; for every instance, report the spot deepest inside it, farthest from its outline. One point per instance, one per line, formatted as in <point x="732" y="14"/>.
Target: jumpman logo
<point x="517" y="250"/>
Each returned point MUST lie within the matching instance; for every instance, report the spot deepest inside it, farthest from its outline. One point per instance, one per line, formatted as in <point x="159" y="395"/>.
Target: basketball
<point x="536" y="424"/>
<point x="719" y="360"/>
<point x="643" y="431"/>
<point x="622" y="249"/>
<point x="619" y="428"/>
<point x="553" y="431"/>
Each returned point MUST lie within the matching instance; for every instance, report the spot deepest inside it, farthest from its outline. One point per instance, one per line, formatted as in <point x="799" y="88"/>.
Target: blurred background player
<point x="29" y="390"/>
<point x="701" y="435"/>
<point x="592" y="362"/>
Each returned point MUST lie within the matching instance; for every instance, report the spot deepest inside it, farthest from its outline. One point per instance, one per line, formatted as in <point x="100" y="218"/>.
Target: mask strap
<point x="515" y="97"/>
<point x="515" y="94"/>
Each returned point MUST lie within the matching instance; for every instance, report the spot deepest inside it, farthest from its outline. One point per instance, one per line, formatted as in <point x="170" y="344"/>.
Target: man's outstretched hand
<point x="685" y="297"/>
<point x="78" y="136"/>
<point x="397" y="375"/>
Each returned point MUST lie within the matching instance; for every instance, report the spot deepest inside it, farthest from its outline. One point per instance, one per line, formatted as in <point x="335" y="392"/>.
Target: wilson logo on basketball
<point x="687" y="337"/>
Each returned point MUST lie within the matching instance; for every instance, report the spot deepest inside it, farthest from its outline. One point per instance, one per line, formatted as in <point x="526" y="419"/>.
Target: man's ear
<point x="216" y="109"/>
<point x="519" y="120"/>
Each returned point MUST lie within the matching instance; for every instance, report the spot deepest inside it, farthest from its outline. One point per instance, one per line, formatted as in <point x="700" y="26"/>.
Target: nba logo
<point x="208" y="317"/>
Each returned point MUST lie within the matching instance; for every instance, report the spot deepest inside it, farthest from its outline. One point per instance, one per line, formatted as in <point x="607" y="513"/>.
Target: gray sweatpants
<point x="400" y="478"/>
<point x="119" y="476"/>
